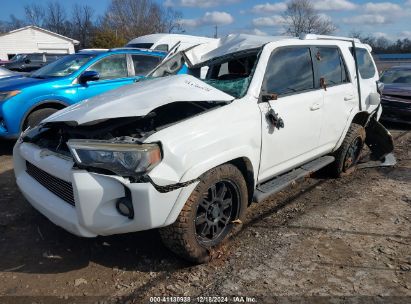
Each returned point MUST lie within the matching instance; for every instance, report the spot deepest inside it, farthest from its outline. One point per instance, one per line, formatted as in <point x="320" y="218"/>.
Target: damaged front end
<point x="115" y="146"/>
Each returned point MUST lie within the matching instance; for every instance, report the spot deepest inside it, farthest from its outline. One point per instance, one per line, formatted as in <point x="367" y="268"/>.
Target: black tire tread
<point x="353" y="132"/>
<point x="177" y="236"/>
<point x="38" y="115"/>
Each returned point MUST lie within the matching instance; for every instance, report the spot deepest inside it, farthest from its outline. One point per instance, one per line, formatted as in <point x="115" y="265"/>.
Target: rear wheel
<point x="37" y="116"/>
<point x="207" y="217"/>
<point x="347" y="156"/>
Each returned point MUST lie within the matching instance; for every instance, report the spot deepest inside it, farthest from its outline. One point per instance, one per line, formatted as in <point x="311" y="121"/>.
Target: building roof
<point x="42" y="30"/>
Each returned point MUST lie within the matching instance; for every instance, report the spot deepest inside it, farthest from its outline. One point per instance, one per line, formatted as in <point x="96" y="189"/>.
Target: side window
<point x="330" y="65"/>
<point x="365" y="64"/>
<point x="35" y="57"/>
<point x="111" y="67"/>
<point x="51" y="57"/>
<point x="289" y="70"/>
<point x="144" y="64"/>
<point x="162" y="47"/>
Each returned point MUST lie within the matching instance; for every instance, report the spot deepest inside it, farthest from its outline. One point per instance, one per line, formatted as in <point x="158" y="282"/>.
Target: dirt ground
<point x="323" y="240"/>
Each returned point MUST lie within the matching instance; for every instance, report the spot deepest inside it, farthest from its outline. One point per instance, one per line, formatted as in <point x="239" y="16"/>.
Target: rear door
<point x="340" y="97"/>
<point x="143" y="64"/>
<point x="114" y="72"/>
<point x="290" y="76"/>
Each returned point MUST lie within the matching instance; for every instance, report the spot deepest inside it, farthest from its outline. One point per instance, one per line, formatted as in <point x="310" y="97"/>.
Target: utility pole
<point x="216" y="31"/>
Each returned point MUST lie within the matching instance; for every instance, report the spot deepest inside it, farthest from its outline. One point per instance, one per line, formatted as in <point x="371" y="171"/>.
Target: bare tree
<point x="301" y="17"/>
<point x="34" y="14"/>
<point x="55" y="19"/>
<point x="171" y="21"/>
<point x="82" y="20"/>
<point x="16" y="23"/>
<point x="133" y="18"/>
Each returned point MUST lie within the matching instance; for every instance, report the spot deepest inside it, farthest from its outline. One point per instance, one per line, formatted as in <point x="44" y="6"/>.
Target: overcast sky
<point x="380" y="18"/>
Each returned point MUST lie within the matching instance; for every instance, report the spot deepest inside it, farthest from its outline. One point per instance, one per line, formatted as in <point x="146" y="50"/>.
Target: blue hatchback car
<point x="26" y="100"/>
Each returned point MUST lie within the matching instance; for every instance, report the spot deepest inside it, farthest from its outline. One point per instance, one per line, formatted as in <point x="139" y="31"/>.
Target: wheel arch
<point x="246" y="168"/>
<point x="54" y="104"/>
<point x="361" y="118"/>
<point x="243" y="163"/>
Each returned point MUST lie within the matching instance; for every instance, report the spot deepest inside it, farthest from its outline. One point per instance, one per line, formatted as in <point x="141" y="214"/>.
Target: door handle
<point x="349" y="97"/>
<point x="315" y="106"/>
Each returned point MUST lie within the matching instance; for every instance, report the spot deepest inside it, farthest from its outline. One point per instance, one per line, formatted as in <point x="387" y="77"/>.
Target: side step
<point x="277" y="184"/>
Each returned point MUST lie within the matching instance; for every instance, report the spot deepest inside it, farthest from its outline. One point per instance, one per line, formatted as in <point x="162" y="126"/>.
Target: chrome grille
<point x="57" y="186"/>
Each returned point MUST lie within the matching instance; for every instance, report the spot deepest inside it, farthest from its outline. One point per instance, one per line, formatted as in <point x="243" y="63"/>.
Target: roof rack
<point x="135" y="49"/>
<point x="326" y="37"/>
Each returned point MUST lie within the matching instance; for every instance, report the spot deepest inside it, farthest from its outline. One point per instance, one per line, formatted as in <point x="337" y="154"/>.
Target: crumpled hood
<point x="139" y="99"/>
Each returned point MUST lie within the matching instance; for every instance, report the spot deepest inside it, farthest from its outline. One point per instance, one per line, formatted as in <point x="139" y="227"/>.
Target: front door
<point x="290" y="76"/>
<point x="114" y="73"/>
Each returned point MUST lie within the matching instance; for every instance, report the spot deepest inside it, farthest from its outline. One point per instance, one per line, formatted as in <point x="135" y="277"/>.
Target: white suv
<point x="188" y="155"/>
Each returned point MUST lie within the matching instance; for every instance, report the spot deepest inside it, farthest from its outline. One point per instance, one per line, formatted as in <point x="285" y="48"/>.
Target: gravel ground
<point x="322" y="240"/>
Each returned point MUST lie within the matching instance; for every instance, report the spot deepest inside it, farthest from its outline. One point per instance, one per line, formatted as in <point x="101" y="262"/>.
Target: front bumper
<point x="95" y="196"/>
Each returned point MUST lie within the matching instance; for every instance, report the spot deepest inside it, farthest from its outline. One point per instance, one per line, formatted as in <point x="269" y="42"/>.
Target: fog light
<point x="125" y="207"/>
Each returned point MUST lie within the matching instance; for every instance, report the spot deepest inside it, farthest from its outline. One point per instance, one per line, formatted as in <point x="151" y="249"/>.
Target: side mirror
<point x="89" y="76"/>
<point x="267" y="97"/>
<point x="374" y="99"/>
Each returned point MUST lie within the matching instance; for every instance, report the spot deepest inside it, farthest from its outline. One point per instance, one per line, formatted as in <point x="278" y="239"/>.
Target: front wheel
<point x="37" y="116"/>
<point x="207" y="217"/>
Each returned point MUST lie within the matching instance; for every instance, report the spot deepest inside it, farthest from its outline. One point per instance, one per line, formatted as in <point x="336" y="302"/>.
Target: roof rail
<point x="326" y="37"/>
<point x="136" y="49"/>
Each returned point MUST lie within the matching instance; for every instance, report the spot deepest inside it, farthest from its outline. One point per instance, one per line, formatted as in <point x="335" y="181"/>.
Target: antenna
<point x="216" y="31"/>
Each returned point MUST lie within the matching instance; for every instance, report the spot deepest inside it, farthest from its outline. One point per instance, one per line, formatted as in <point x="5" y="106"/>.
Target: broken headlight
<point x="125" y="159"/>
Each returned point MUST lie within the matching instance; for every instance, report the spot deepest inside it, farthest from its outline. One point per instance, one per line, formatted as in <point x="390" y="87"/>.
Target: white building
<point x="33" y="39"/>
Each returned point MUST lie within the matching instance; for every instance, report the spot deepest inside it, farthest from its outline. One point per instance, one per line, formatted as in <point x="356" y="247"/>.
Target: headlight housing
<point x="8" y="94"/>
<point x="125" y="159"/>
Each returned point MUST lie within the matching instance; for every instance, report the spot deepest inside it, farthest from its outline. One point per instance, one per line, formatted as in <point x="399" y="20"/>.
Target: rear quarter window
<point x="365" y="63"/>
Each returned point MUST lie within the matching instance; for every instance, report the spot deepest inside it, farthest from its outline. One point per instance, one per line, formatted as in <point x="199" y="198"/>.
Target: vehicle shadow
<point x="6" y="147"/>
<point x="30" y="243"/>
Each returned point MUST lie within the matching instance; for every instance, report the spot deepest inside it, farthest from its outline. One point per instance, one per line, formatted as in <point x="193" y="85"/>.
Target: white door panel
<point x="298" y="140"/>
<point x="339" y="102"/>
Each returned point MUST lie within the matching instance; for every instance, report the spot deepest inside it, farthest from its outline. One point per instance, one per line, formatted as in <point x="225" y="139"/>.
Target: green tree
<point x="106" y="39"/>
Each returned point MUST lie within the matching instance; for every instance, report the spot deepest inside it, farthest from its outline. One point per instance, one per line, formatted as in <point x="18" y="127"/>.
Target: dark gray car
<point x="31" y="62"/>
<point x="396" y="96"/>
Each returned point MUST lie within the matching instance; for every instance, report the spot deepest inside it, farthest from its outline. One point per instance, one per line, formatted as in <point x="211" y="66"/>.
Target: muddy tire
<point x="347" y="155"/>
<point x="206" y="219"/>
<point x="37" y="116"/>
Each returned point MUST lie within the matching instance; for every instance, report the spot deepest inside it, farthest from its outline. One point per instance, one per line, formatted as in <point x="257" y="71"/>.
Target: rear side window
<point x="140" y="45"/>
<point x="50" y="57"/>
<point x="289" y="70"/>
<point x="330" y="65"/>
<point x="35" y="57"/>
<point x="144" y="64"/>
<point x="365" y="64"/>
<point x="162" y="47"/>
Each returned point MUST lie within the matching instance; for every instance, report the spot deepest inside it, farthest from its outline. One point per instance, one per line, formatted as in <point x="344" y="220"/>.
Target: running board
<point x="277" y="184"/>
